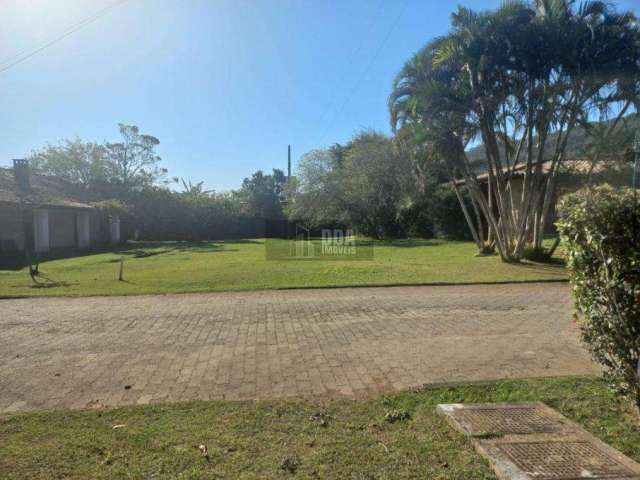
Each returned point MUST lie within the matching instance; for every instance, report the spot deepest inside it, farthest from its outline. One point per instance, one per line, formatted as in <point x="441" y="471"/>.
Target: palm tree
<point x="195" y="191"/>
<point x="518" y="79"/>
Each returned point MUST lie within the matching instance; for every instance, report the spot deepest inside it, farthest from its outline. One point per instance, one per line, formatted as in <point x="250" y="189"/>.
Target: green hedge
<point x="601" y="232"/>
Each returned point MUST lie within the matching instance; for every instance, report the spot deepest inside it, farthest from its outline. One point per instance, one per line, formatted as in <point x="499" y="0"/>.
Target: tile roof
<point x="570" y="167"/>
<point x="45" y="191"/>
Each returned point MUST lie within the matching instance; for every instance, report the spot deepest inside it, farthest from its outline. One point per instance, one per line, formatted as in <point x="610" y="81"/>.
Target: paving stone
<point x="352" y="342"/>
<point x="530" y="441"/>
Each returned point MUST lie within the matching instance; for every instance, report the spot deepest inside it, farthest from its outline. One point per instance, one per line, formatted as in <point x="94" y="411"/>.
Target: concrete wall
<point x="11" y="229"/>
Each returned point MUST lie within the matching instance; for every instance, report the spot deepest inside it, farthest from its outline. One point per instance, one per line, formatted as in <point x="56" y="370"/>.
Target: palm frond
<point x="449" y="50"/>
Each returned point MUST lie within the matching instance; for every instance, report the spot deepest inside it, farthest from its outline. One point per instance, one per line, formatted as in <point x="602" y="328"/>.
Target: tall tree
<point x="519" y="79"/>
<point x="133" y="161"/>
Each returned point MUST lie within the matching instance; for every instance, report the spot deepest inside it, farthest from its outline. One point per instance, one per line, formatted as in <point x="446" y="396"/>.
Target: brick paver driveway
<point x="87" y="352"/>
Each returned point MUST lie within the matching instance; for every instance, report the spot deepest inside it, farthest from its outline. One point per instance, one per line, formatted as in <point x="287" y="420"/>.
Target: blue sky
<point x="224" y="84"/>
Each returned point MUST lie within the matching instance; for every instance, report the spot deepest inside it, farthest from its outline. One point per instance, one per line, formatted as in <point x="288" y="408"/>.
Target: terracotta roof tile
<point x="45" y="191"/>
<point x="575" y="167"/>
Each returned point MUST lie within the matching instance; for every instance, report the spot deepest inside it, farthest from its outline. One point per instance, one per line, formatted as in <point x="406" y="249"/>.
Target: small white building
<point x="40" y="214"/>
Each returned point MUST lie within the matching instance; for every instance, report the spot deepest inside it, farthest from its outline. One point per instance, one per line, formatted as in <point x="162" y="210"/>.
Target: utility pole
<point x="289" y="164"/>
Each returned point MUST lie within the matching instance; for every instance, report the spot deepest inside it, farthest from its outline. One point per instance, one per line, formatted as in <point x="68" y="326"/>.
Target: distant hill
<point x="477" y="157"/>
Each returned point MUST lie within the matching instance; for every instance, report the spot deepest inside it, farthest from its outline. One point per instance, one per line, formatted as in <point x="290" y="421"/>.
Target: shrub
<point x="601" y="233"/>
<point x="416" y="219"/>
<point x="448" y="219"/>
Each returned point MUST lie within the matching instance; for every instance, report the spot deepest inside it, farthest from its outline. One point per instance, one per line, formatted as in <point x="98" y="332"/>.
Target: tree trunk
<point x="489" y="192"/>
<point x="467" y="217"/>
<point x="637" y="393"/>
<point x="479" y="222"/>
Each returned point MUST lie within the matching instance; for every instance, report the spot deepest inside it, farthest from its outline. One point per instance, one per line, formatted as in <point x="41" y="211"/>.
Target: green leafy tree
<point x="317" y="200"/>
<point x="376" y="184"/>
<point x="263" y="195"/>
<point x="364" y="184"/>
<point x="82" y="163"/>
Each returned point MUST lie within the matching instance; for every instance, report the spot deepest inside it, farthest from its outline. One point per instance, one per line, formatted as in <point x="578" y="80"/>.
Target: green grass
<point x="332" y="439"/>
<point x="242" y="265"/>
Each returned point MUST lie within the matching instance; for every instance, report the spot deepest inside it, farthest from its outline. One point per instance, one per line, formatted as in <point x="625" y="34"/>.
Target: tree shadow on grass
<point x="52" y="284"/>
<point x="412" y="242"/>
<point x="17" y="261"/>
<point x="552" y="267"/>
<point x="152" y="249"/>
<point x="242" y="241"/>
<point x="41" y="281"/>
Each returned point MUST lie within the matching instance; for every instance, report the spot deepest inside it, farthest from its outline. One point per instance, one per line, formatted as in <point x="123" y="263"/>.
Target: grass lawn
<point x="242" y="265"/>
<point x="289" y="439"/>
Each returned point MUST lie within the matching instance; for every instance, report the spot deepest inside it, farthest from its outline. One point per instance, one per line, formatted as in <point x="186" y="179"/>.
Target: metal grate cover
<point x="564" y="461"/>
<point x="520" y="420"/>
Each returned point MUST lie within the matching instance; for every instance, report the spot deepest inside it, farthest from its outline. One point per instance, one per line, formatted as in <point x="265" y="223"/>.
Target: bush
<point x="160" y="214"/>
<point x="436" y="214"/>
<point x="448" y="218"/>
<point x="416" y="219"/>
<point x="601" y="233"/>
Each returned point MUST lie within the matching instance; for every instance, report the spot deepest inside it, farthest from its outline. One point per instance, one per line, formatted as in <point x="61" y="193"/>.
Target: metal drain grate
<point x="520" y="420"/>
<point x="564" y="461"/>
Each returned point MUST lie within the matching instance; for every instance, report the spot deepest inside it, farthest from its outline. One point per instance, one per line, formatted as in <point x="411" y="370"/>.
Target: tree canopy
<point x="514" y="78"/>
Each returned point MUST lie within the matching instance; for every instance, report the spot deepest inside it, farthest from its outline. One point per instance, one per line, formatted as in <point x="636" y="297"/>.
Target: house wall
<point x="62" y="228"/>
<point x="83" y="229"/>
<point x="50" y="228"/>
<point x="11" y="229"/>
